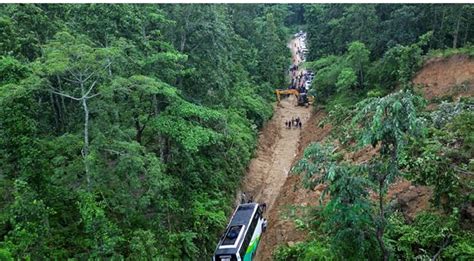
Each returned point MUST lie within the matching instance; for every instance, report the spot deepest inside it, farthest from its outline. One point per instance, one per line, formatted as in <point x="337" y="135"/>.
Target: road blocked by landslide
<point x="278" y="147"/>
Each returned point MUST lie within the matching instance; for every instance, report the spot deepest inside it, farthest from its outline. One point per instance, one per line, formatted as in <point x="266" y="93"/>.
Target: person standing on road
<point x="243" y="198"/>
<point x="264" y="225"/>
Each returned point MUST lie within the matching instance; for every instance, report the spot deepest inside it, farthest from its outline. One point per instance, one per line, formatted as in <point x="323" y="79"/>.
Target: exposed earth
<point x="441" y="77"/>
<point x="269" y="180"/>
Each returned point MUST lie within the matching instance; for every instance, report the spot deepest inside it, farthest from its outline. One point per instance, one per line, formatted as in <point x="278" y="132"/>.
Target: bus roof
<point x="235" y="232"/>
<point x="243" y="214"/>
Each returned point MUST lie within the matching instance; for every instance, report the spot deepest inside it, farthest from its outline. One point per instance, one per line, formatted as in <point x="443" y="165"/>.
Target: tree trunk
<point x="361" y="74"/>
<point x="85" y="149"/>
<point x="164" y="149"/>
<point x="183" y="42"/>
<point x="109" y="62"/>
<point x="381" y="227"/>
<point x="155" y="105"/>
<point x="56" y="112"/>
<point x="63" y="105"/>
<point x="109" y="67"/>
<point x="456" y="33"/>
<point x="466" y="34"/>
<point x="441" y="36"/>
<point x="183" y="34"/>
<point x="161" y="141"/>
<point x="138" y="135"/>
<point x="435" y="22"/>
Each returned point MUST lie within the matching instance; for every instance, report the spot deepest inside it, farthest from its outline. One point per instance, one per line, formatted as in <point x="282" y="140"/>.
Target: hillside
<point x="125" y="129"/>
<point x="446" y="77"/>
<point x="438" y="79"/>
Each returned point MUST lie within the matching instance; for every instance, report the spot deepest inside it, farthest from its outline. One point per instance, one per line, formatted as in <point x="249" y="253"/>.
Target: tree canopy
<point x="125" y="129"/>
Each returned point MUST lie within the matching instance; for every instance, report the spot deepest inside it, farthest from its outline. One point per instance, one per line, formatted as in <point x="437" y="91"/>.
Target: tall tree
<point x="358" y="58"/>
<point x="82" y="67"/>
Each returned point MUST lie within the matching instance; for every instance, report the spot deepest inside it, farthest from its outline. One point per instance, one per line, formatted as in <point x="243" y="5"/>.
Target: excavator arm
<point x="279" y="92"/>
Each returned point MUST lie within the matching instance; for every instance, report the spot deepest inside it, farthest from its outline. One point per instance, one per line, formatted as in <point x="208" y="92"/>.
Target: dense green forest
<point x="365" y="57"/>
<point x="125" y="129"/>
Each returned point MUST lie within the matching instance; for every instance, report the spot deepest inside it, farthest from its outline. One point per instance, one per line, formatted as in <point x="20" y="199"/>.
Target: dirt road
<point x="277" y="149"/>
<point x="276" y="153"/>
<point x="278" y="146"/>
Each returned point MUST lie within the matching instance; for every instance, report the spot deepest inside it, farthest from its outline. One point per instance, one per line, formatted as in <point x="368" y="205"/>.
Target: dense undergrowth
<point x="125" y="129"/>
<point x="364" y="57"/>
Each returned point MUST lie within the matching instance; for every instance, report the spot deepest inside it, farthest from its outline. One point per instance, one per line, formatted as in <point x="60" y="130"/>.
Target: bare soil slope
<point x="453" y="76"/>
<point x="268" y="178"/>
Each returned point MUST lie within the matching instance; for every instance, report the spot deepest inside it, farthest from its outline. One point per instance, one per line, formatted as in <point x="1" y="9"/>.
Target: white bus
<point x="242" y="235"/>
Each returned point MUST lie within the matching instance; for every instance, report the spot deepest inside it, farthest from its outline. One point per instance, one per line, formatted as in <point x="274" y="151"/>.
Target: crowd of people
<point x="300" y="79"/>
<point x="294" y="123"/>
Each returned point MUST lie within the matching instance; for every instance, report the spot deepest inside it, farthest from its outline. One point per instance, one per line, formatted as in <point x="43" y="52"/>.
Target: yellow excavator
<point x="303" y="99"/>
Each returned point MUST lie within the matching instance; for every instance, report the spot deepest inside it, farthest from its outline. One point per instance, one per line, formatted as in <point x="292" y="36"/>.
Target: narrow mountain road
<point x="268" y="171"/>
<point x="276" y="153"/>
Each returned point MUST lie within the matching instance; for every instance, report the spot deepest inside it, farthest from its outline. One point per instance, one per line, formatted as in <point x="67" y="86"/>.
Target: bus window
<point x="232" y="235"/>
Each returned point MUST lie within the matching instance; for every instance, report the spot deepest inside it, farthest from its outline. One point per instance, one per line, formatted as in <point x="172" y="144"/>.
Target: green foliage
<point x="388" y="119"/>
<point x="425" y="165"/>
<point x="427" y="235"/>
<point x="312" y="250"/>
<point x="170" y="98"/>
<point x="445" y="53"/>
<point x="383" y="26"/>
<point x="354" y="223"/>
<point x="327" y="70"/>
<point x="346" y="79"/>
<point x="5" y="255"/>
<point x="381" y="57"/>
<point x="103" y="235"/>
<point x="358" y="59"/>
<point x="254" y="105"/>
<point x="174" y="95"/>
<point x="29" y="217"/>
<point x="181" y="131"/>
<point x="346" y="218"/>
<point x="11" y="70"/>
<point x="386" y="46"/>
<point x="443" y="159"/>
<point x="273" y="58"/>
<point x="410" y="58"/>
<point x="143" y="245"/>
